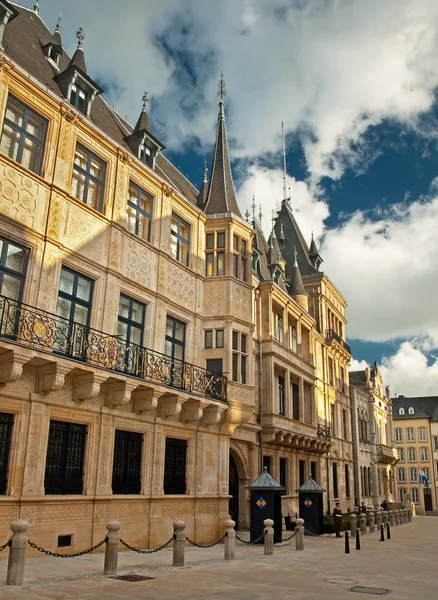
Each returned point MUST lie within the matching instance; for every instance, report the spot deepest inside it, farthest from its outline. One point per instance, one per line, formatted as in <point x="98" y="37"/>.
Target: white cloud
<point x="388" y="272"/>
<point x="358" y="365"/>
<point x="329" y="67"/>
<point x="408" y="372"/>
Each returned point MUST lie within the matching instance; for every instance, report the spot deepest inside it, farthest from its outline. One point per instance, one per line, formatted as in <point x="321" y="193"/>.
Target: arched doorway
<point x="233" y="490"/>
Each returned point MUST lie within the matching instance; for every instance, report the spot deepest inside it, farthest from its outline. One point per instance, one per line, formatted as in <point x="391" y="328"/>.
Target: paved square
<point x="406" y="565"/>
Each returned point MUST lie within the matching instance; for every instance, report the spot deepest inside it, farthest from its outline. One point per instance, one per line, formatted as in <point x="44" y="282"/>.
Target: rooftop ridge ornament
<point x="205" y="169"/>
<point x="222" y="90"/>
<point x="295" y="257"/>
<point x="81" y="37"/>
<point x="260" y="215"/>
<point x="253" y="208"/>
<point x="247" y="215"/>
<point x="36" y="7"/>
<point x="284" y="163"/>
<point x="146" y="101"/>
<point x="58" y="24"/>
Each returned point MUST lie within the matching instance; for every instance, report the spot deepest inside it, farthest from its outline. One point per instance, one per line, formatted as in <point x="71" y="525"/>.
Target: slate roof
<point x="265" y="482"/>
<point x="24" y="40"/>
<point x="425" y="407"/>
<point x="221" y="197"/>
<point x="296" y="285"/>
<point x="310" y="486"/>
<point x="358" y="376"/>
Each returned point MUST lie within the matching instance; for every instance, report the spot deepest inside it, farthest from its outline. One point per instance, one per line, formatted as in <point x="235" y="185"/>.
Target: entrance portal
<point x="233" y="490"/>
<point x="427" y="499"/>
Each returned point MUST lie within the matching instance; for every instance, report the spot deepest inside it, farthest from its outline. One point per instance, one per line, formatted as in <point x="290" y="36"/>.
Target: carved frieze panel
<point x="241" y="305"/>
<point x="139" y="262"/>
<point x="214" y="299"/>
<point x="177" y="284"/>
<point x="86" y="234"/>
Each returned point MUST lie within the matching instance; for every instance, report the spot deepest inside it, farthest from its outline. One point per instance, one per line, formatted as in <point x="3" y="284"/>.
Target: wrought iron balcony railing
<point x="47" y="332"/>
<point x="331" y="334"/>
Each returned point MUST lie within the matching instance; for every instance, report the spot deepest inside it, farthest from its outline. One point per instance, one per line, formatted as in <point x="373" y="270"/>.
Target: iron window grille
<point x="175" y="466"/>
<point x="180" y="240"/>
<point x="65" y="458"/>
<point x="127" y="462"/>
<point x="88" y="180"/>
<point x="139" y="212"/>
<point x="6" y="425"/>
<point x="24" y="135"/>
<point x="13" y="266"/>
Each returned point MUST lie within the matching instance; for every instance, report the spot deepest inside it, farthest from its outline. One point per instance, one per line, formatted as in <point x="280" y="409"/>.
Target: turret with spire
<point x="221" y="197"/>
<point x="314" y="254"/>
<point x="141" y="141"/>
<point x="202" y="196"/>
<point x="297" y="291"/>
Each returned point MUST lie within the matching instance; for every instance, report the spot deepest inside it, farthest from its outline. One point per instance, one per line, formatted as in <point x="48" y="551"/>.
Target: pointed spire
<point x="282" y="238"/>
<point x="57" y="33"/>
<point x="260" y="214"/>
<point x="314" y="256"/>
<point x="58" y="24"/>
<point x="78" y="58"/>
<point x="202" y="196"/>
<point x="221" y="197"/>
<point x="284" y="163"/>
<point x="36" y="7"/>
<point x="296" y="286"/>
<point x="143" y="123"/>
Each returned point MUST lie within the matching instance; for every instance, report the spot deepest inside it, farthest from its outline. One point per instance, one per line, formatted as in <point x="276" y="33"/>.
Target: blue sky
<point x="355" y="84"/>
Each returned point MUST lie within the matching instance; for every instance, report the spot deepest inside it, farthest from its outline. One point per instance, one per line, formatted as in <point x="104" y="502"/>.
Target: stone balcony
<point x="62" y="354"/>
<point x="295" y="434"/>
<point x="387" y="455"/>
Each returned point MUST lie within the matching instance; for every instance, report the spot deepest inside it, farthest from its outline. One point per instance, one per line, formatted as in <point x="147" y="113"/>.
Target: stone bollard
<point x="353" y="525"/>
<point x="406" y="515"/>
<point x="179" y="543"/>
<point x="409" y="515"/>
<point x="17" y="553"/>
<point x="378" y="519"/>
<point x="230" y="540"/>
<point x="363" y="523"/>
<point x="269" y="536"/>
<point x="391" y="518"/>
<point x="396" y="517"/>
<point x="372" y="523"/>
<point x="299" y="545"/>
<point x="111" y="548"/>
<point x="385" y="517"/>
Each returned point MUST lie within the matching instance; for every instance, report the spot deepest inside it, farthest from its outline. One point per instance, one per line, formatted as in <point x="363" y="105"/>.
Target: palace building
<point x="155" y="350"/>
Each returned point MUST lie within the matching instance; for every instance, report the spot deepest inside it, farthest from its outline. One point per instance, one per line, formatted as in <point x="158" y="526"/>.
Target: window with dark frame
<point x="302" y="472"/>
<point x="180" y="240"/>
<point x="330" y="371"/>
<point x="219" y="338"/>
<point x="6" y="426"/>
<point x="24" y="135"/>
<point x="128" y="447"/>
<point x="333" y="419"/>
<point x="335" y="480"/>
<point x="240" y="357"/>
<point x="75" y="295"/>
<point x="344" y="424"/>
<point x="175" y="339"/>
<point x="13" y="266"/>
<point x="208" y="338"/>
<point x="281" y="408"/>
<point x="79" y="98"/>
<point x="65" y="458"/>
<point x="139" y="211"/>
<point x="296" y="402"/>
<point x="283" y="473"/>
<point x="88" y="181"/>
<point x="240" y="257"/>
<point x="130" y="320"/>
<point x="347" y="481"/>
<point x="175" y="466"/>
<point x="215" y="254"/>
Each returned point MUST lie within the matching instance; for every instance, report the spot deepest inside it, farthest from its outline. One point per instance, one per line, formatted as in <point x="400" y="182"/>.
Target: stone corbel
<point x="236" y="414"/>
<point x="87" y="386"/>
<point x="192" y="411"/>
<point x="11" y="365"/>
<point x="212" y="414"/>
<point x="51" y="378"/>
<point x="145" y="400"/>
<point x="169" y="405"/>
<point x="118" y="393"/>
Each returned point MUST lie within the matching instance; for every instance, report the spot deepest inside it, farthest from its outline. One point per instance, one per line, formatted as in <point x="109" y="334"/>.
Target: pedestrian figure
<point x="363" y="508"/>
<point x="384" y="506"/>
<point x="337" y="515"/>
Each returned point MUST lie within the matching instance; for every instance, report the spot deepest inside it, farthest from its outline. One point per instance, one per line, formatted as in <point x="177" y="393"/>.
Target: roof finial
<point x="247" y="214"/>
<point x="253" y="208"/>
<point x="146" y="101"/>
<point x="81" y="36"/>
<point x="260" y="214"/>
<point x="36" y="7"/>
<point x="222" y="91"/>
<point x="205" y="169"/>
<point x="273" y="215"/>
<point x="295" y="258"/>
<point x="58" y="24"/>
<point x="284" y="163"/>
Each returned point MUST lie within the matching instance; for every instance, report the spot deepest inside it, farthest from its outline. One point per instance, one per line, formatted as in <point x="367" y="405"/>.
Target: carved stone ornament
<point x="51" y="378"/>
<point x="11" y="366"/>
<point x="192" y="410"/>
<point x="69" y="114"/>
<point x="87" y="386"/>
<point x="118" y="393"/>
<point x="145" y="400"/>
<point x="123" y="156"/>
<point x="4" y="65"/>
<point x="168" y="191"/>
<point x="169" y="406"/>
<point x="212" y="415"/>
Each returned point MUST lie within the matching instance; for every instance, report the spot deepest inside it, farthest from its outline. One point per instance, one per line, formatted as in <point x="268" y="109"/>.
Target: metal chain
<point x="58" y="555"/>
<point x="148" y="551"/>
<point x="206" y="545"/>
<point x="287" y="539"/>
<point x="250" y="542"/>
<point x="8" y="543"/>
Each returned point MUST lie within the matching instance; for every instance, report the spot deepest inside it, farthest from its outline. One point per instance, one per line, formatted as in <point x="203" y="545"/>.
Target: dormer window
<point x="401" y="411"/>
<point x="411" y="411"/>
<point x="146" y="155"/>
<point x="54" y="55"/>
<point x="79" y="98"/>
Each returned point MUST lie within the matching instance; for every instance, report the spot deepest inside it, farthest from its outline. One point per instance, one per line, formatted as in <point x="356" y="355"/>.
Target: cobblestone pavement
<point x="406" y="565"/>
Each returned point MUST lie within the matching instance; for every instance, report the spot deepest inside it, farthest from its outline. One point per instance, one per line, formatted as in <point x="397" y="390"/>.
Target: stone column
<point x="300" y="534"/>
<point x="269" y="536"/>
<point x="363" y="523"/>
<point x="230" y="540"/>
<point x="112" y="548"/>
<point x="385" y="518"/>
<point x="372" y="524"/>
<point x="179" y="543"/>
<point x="378" y="519"/>
<point x="353" y="525"/>
<point x="17" y="553"/>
